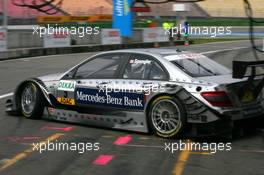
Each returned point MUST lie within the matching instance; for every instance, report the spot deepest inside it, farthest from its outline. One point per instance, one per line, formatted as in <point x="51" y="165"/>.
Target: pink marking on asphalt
<point x="30" y="138"/>
<point x="66" y="129"/>
<point x="20" y="139"/>
<point x="123" y="140"/>
<point x="13" y="139"/>
<point x="103" y="159"/>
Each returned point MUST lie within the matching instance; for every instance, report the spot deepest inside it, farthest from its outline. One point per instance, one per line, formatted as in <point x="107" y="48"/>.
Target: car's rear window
<point x="197" y="65"/>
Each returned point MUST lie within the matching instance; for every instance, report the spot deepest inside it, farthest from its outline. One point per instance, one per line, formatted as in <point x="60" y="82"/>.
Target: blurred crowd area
<point x="207" y="8"/>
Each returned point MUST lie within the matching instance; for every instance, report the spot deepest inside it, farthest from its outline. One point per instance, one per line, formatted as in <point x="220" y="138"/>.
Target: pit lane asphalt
<point x="143" y="154"/>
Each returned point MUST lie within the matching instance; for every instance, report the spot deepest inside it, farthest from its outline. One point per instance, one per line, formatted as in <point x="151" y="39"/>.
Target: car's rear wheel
<point x="31" y="101"/>
<point x="167" y="116"/>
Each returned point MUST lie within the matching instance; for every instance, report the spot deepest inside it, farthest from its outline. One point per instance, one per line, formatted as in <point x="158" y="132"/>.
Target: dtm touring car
<point x="164" y="91"/>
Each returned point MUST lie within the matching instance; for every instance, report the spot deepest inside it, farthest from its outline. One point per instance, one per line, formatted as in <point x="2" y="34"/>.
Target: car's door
<point x="88" y="81"/>
<point x="95" y="78"/>
<point x="113" y="81"/>
<point x="141" y="76"/>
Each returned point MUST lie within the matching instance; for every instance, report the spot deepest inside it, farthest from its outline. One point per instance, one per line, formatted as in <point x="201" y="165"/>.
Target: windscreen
<point x="197" y="65"/>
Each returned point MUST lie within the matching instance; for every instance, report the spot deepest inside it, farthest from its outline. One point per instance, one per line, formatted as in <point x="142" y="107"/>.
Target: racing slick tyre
<point x="167" y="117"/>
<point x="31" y="101"/>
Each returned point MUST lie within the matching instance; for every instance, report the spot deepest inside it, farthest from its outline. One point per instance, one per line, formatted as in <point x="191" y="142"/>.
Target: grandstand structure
<point x="91" y="7"/>
<point x="231" y="8"/>
<point x="22" y="12"/>
<point x="69" y="7"/>
<point x="87" y="7"/>
<point x="208" y="8"/>
<point x="166" y="10"/>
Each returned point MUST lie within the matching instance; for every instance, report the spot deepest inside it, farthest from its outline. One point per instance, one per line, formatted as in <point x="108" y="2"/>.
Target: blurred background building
<point x="98" y="13"/>
<point x="208" y="8"/>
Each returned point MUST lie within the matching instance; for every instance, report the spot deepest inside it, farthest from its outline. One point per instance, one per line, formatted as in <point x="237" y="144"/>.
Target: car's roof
<point x="157" y="51"/>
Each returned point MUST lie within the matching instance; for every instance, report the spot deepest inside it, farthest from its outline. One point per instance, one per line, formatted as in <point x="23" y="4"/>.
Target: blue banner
<point x="122" y="17"/>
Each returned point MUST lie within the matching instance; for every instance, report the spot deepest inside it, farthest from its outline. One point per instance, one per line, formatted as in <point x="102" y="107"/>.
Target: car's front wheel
<point x="31" y="101"/>
<point x="167" y="116"/>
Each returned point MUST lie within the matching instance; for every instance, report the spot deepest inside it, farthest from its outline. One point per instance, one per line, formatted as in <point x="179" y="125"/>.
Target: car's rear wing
<point x="240" y="70"/>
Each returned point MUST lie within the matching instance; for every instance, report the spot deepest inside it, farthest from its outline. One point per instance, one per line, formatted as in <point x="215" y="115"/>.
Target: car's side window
<point x="102" y="67"/>
<point x="143" y="67"/>
<point x="157" y="73"/>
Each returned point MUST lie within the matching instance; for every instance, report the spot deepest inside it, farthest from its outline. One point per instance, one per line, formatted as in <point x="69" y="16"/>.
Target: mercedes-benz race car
<point x="164" y="91"/>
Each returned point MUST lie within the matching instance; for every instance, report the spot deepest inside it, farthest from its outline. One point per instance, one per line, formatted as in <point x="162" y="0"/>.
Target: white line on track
<point x="48" y="56"/>
<point x="223" y="42"/>
<point x="6" y="95"/>
<point x="222" y="50"/>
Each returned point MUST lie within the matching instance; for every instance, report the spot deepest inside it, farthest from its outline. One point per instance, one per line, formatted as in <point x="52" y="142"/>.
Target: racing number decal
<point x="66" y="87"/>
<point x="65" y="94"/>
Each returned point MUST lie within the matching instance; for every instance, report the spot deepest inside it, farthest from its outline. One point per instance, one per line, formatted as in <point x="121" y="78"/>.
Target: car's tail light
<point x="217" y="98"/>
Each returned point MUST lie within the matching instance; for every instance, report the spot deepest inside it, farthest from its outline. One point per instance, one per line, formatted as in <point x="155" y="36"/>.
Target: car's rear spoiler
<point x="240" y="70"/>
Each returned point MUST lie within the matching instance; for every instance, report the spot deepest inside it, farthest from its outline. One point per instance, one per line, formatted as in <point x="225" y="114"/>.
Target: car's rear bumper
<point x="252" y="110"/>
<point x="216" y="128"/>
<point x="225" y="127"/>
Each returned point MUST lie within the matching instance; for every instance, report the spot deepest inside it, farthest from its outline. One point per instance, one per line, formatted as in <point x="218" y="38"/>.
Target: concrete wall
<point x="23" y="43"/>
<point x="32" y="52"/>
<point x="25" y="39"/>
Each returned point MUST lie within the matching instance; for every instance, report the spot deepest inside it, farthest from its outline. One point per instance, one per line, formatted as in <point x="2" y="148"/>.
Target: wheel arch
<point x="148" y="105"/>
<point x="39" y="85"/>
<point x="178" y="92"/>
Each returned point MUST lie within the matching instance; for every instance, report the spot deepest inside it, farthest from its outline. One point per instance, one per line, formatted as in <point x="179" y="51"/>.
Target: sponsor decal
<point x="185" y="56"/>
<point x="122" y="17"/>
<point x="111" y="99"/>
<point x="248" y="96"/>
<point x="136" y="61"/>
<point x="66" y="85"/>
<point x="110" y="36"/>
<point x="154" y="35"/>
<point x="66" y="101"/>
<point x="191" y="56"/>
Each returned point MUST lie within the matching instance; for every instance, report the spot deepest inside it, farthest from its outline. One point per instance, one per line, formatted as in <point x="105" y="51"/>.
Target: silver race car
<point x="164" y="91"/>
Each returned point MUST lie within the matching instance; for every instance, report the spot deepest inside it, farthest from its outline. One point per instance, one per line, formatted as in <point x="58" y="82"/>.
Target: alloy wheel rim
<point x="28" y="99"/>
<point x="166" y="116"/>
